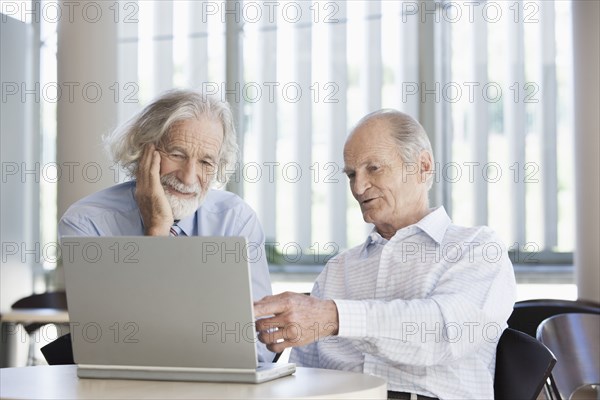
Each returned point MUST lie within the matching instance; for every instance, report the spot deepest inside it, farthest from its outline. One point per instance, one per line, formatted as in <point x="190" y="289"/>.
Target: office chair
<point x="523" y="364"/>
<point x="574" y="339"/>
<point x="527" y="315"/>
<point x="52" y="300"/>
<point x="60" y="351"/>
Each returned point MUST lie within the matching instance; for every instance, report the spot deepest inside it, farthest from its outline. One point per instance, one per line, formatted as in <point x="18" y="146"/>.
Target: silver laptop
<point x="163" y="308"/>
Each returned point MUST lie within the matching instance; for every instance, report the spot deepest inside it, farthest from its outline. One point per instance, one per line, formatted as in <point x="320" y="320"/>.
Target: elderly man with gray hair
<point x="422" y="302"/>
<point x="176" y="149"/>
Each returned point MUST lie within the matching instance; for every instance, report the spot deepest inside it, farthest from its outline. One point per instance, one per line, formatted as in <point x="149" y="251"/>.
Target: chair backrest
<point x="55" y="300"/>
<point x="523" y="364"/>
<point x="528" y="315"/>
<point x="60" y="351"/>
<point x="575" y="341"/>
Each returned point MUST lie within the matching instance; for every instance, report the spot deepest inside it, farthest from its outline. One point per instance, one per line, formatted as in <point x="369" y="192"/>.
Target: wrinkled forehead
<point x="370" y="139"/>
<point x="195" y="134"/>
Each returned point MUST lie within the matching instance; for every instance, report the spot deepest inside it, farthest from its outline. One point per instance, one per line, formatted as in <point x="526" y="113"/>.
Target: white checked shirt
<point x="424" y="310"/>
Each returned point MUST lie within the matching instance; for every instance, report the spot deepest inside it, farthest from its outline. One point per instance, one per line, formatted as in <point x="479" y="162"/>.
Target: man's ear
<point x="425" y="165"/>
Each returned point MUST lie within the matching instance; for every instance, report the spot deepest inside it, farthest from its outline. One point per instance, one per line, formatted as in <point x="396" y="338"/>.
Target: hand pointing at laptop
<point x="293" y="319"/>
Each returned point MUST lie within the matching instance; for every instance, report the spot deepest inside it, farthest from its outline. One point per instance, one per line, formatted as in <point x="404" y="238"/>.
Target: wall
<point x="19" y="195"/>
<point x="586" y="69"/>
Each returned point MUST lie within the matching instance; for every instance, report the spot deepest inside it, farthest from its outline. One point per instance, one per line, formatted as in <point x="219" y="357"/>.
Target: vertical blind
<point x="489" y="80"/>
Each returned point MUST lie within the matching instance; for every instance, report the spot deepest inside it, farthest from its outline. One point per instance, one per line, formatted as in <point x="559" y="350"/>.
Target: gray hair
<point x="409" y="134"/>
<point x="150" y="125"/>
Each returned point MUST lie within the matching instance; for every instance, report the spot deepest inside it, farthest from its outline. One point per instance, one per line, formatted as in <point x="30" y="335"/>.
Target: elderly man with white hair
<point x="175" y="149"/>
<point x="422" y="302"/>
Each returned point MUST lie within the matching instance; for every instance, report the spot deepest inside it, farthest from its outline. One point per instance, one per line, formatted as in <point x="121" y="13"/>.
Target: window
<point x="511" y="127"/>
<point x="490" y="81"/>
<point x="496" y="103"/>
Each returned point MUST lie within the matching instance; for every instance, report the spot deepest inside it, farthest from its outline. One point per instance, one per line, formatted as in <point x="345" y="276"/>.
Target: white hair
<point x="126" y="143"/>
<point x="409" y="134"/>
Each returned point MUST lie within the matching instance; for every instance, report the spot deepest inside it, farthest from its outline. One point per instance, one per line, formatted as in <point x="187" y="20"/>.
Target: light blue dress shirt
<point x="114" y="212"/>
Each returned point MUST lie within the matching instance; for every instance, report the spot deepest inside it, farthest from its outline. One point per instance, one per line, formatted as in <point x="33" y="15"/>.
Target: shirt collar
<point x="433" y="224"/>
<point x="373" y="238"/>
<point x="187" y="224"/>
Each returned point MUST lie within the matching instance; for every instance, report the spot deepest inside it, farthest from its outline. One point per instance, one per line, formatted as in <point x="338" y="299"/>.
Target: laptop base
<point x="265" y="372"/>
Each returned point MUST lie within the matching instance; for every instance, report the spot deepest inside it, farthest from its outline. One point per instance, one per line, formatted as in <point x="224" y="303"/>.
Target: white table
<point x="11" y="336"/>
<point x="41" y="315"/>
<point x="61" y="382"/>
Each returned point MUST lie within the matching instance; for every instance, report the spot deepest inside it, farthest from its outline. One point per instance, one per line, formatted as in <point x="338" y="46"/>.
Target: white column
<point x="514" y="122"/>
<point x="87" y="69"/>
<point x="408" y="66"/>
<point x="302" y="127"/>
<point x="163" y="47"/>
<point x="373" y="70"/>
<point x="431" y="108"/>
<point x="196" y="69"/>
<point x="371" y="80"/>
<point x="128" y="55"/>
<point x="478" y="118"/>
<point x="586" y="70"/>
<point x="234" y="81"/>
<point x="548" y="100"/>
<point x="337" y="187"/>
<point x="267" y="128"/>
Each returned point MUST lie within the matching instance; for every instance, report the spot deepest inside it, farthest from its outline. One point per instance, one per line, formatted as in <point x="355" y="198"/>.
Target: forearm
<point x="399" y="331"/>
<point x="445" y="326"/>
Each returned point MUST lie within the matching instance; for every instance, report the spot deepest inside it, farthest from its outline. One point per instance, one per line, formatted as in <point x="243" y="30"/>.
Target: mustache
<point x="171" y="181"/>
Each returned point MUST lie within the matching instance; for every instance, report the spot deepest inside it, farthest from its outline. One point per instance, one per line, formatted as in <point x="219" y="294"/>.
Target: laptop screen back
<point x="160" y="301"/>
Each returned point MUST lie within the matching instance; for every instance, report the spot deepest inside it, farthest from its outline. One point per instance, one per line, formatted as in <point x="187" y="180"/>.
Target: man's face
<point x="391" y="194"/>
<point x="189" y="159"/>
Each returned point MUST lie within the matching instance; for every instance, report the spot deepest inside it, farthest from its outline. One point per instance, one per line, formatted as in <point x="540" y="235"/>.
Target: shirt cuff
<point x="352" y="318"/>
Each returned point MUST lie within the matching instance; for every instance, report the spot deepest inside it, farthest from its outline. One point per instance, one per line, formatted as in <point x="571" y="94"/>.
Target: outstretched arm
<point x="293" y="319"/>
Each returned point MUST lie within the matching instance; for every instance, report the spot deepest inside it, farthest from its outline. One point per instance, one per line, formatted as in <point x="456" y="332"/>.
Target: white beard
<point x="182" y="207"/>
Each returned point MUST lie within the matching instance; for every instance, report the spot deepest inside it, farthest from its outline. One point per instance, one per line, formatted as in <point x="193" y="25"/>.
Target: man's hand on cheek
<point x="150" y="194"/>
